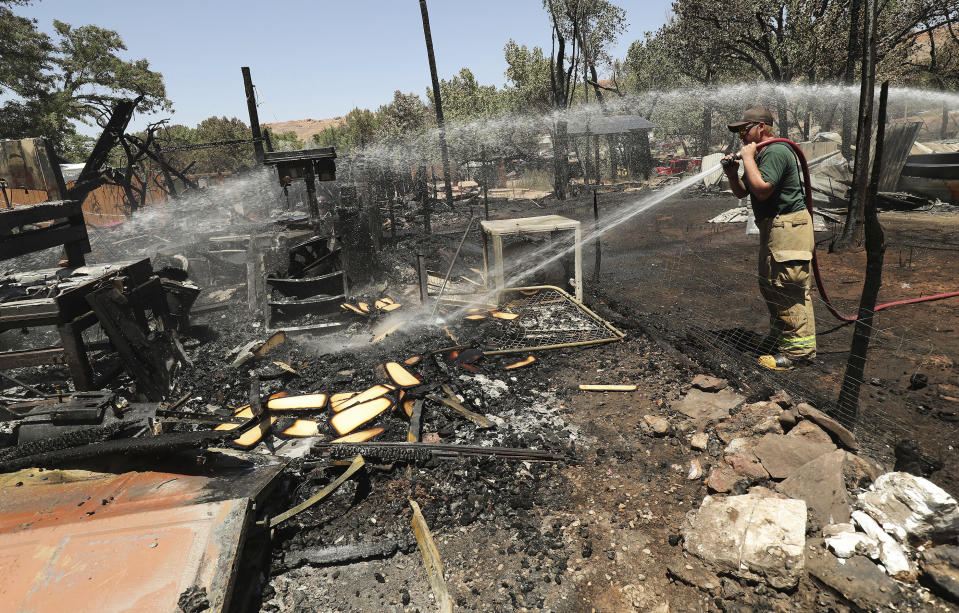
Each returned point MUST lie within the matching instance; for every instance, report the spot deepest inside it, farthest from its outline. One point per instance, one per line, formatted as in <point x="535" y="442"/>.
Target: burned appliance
<point x="309" y="165"/>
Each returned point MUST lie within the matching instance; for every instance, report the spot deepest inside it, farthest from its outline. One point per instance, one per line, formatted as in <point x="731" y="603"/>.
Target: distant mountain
<point x="304" y="128"/>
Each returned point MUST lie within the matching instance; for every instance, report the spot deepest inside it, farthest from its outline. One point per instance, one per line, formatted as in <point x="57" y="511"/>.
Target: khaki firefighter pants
<point x="785" y="259"/>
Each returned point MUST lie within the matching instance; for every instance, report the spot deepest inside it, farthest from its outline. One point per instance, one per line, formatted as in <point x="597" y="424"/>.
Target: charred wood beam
<point x="345" y="554"/>
<point x="423" y="452"/>
<point x="90" y="177"/>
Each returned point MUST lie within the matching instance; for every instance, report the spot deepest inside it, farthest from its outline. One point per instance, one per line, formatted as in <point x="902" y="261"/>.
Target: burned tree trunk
<point x="853" y="54"/>
<point x="875" y="248"/>
<point x="782" y="111"/>
<point x="851" y="236"/>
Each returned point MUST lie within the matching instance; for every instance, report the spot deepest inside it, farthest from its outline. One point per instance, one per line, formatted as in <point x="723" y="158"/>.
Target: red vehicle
<point x="679" y="166"/>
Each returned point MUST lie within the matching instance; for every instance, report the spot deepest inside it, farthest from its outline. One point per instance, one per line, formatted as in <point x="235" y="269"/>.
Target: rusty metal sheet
<point x="131" y="562"/>
<point x="85" y="541"/>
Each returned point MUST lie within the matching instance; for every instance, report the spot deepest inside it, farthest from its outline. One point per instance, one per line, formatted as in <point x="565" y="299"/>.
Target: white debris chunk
<point x="751" y="537"/>
<point x="891" y="554"/>
<point x="848" y="544"/>
<point x="834" y="529"/>
<point x="910" y="506"/>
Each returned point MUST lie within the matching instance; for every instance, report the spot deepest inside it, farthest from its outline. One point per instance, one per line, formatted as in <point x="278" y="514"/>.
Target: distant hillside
<point x="304" y="128"/>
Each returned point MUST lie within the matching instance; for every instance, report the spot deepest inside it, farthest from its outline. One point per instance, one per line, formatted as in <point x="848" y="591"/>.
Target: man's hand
<point x="730" y="165"/>
<point x="748" y="151"/>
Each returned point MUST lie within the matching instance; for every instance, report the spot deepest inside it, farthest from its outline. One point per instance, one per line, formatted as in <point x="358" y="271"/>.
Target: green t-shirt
<point x="778" y="166"/>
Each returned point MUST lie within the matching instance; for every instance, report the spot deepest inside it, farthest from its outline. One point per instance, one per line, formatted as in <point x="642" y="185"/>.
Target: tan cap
<point x="757" y="114"/>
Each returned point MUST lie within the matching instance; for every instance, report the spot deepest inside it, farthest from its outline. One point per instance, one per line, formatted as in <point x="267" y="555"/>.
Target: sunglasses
<point x="745" y="129"/>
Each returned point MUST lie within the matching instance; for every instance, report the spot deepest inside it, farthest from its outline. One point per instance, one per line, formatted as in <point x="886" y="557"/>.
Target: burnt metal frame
<point x="308" y="164"/>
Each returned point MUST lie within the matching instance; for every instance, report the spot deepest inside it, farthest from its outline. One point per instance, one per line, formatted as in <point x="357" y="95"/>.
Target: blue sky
<point x="316" y="59"/>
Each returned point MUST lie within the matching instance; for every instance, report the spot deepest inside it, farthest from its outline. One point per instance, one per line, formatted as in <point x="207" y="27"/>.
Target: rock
<point x="858" y="580"/>
<point x="709" y="384"/>
<point x="693" y="572"/>
<point x="706" y="407"/>
<point x="834" y="529"/>
<point x="830" y="425"/>
<point x="847" y="544"/>
<point x="781" y="455"/>
<point x="808" y="430"/>
<point x="659" y="426"/>
<point x="768" y="425"/>
<point x="724" y="479"/>
<point x="752" y="419"/>
<point x="941" y="566"/>
<point x="695" y="470"/>
<point x="746" y="463"/>
<point x="782" y="399"/>
<point x="764" y="492"/>
<point x="740" y="444"/>
<point x="908" y="506"/>
<point x="890" y="553"/>
<point x="788" y="419"/>
<point x="751" y="537"/>
<point x="824" y="482"/>
<point x="699" y="441"/>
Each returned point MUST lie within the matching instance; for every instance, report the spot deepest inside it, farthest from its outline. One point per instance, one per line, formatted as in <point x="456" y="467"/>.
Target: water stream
<point x="547" y="255"/>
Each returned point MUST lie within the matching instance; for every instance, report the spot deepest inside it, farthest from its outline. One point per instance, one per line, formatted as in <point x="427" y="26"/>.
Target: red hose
<point x="815" y="261"/>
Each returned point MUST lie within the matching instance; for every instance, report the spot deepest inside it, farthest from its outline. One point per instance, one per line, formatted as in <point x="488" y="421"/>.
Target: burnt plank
<point x="36" y="213"/>
<point x="139" y="355"/>
<point x="32" y="357"/>
<point x="36" y="240"/>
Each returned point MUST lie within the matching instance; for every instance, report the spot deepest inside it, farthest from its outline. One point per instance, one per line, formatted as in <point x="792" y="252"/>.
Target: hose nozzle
<point x="736" y="157"/>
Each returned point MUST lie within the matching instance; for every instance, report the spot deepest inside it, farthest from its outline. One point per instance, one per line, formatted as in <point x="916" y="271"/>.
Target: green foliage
<point x="527" y="71"/>
<point x="75" y="76"/>
<point x="405" y="115"/>
<point x="24" y="53"/>
<point x="287" y="141"/>
<point x="76" y="148"/>
<point x="464" y="99"/>
<point x="227" y="158"/>
<point x="360" y="128"/>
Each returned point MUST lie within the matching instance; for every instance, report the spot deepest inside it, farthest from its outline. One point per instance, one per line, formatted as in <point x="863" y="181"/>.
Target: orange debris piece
<point x="400" y="375"/>
<point x="521" y="363"/>
<point x="359" y="437"/>
<point x="350" y="419"/>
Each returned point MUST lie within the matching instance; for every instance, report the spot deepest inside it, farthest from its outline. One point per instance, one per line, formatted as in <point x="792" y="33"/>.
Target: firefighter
<point x="786" y="239"/>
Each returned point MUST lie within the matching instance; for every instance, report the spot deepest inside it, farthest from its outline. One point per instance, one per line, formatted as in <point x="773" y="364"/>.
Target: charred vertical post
<point x="486" y="179"/>
<point x="425" y="199"/>
<point x="437" y="101"/>
<point x="310" y="179"/>
<point x="598" y="261"/>
<point x="599" y="178"/>
<point x="875" y="249"/>
<point x="254" y="118"/>
<point x="423" y="278"/>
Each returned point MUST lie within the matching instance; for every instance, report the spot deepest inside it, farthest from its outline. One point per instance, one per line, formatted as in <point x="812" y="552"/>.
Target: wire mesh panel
<point x="548" y="318"/>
